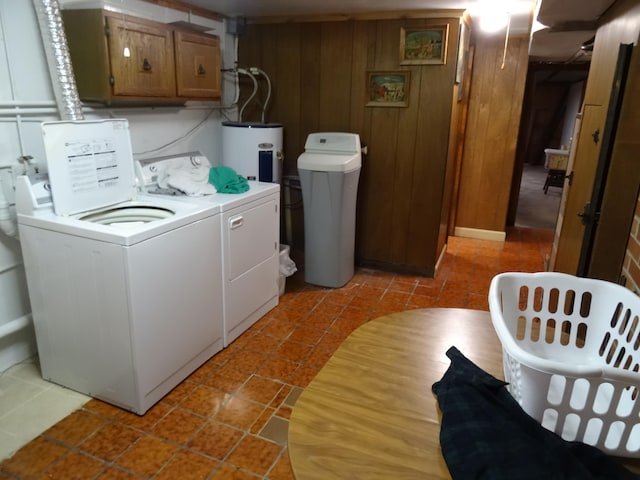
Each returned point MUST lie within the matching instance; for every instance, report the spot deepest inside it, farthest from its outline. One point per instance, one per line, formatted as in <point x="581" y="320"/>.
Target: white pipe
<point x="11" y="266"/>
<point x="266" y="101"/>
<point x="8" y="225"/>
<point x="24" y="120"/>
<point x="255" y="90"/>
<point x="237" y="76"/>
<point x="29" y="111"/>
<point x="13" y="326"/>
<point x="8" y="56"/>
<point x="27" y="103"/>
<point x="19" y="132"/>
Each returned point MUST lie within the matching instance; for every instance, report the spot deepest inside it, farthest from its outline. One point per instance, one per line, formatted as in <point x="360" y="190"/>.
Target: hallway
<point x="535" y="208"/>
<point x="229" y="419"/>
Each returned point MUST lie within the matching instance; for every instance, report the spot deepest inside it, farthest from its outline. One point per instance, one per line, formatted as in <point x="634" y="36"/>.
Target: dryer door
<point x="252" y="237"/>
<point x="250" y="262"/>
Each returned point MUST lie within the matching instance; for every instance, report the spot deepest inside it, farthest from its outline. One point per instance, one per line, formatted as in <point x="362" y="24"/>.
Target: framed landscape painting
<point x="388" y="89"/>
<point x="424" y="46"/>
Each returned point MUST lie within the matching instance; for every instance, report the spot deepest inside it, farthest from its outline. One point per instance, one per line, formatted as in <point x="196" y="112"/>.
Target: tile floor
<point x="229" y="419"/>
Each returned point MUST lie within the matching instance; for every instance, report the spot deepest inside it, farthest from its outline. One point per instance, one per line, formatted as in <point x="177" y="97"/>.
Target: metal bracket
<point x="570" y="178"/>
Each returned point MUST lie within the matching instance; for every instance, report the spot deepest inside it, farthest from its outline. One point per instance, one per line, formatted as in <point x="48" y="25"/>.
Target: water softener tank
<point x="253" y="150"/>
<point x="329" y="171"/>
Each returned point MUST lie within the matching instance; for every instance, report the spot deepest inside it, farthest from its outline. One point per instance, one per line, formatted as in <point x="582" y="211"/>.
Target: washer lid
<point x="90" y="164"/>
<point x="325" y="162"/>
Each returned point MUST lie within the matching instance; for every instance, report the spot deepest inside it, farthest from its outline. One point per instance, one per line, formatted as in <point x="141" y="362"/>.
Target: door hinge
<point x="570" y="178"/>
<point x="107" y="30"/>
<point x="112" y="80"/>
<point x="596" y="136"/>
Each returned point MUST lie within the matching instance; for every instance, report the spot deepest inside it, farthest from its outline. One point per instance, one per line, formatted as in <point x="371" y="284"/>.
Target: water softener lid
<point x="326" y="162"/>
<point x="333" y="142"/>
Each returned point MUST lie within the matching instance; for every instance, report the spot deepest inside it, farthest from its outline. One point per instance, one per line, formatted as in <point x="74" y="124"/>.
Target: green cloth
<point x="226" y="180"/>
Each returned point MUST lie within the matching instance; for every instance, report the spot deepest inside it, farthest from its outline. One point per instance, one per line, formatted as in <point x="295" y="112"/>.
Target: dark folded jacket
<point x="485" y="434"/>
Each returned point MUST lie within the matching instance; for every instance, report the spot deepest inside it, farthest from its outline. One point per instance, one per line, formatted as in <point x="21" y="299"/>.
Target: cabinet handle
<point x="236" y="222"/>
<point x="146" y="66"/>
<point x="201" y="70"/>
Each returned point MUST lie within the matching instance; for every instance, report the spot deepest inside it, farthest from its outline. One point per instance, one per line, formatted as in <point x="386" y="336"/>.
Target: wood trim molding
<point x="480" y="234"/>
<point x="440" y="260"/>
<point x="343" y="17"/>
<point x="337" y="17"/>
<point x="177" y="5"/>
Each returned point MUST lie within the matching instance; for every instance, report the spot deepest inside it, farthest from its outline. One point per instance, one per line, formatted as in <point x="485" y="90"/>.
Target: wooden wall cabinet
<point x="197" y="65"/>
<point x="120" y="59"/>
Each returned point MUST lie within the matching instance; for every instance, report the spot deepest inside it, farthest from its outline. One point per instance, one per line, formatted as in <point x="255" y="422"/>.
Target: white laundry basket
<point x="571" y="353"/>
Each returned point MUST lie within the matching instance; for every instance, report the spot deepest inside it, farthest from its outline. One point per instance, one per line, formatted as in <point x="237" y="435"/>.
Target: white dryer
<point x="250" y="238"/>
<point x="125" y="289"/>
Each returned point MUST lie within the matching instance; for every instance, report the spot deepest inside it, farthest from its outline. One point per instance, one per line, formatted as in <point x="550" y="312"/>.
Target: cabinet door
<point x="141" y="56"/>
<point x="197" y="65"/>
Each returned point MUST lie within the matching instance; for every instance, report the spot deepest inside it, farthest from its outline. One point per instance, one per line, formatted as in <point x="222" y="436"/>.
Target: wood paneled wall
<point x="495" y="105"/>
<point x="319" y="74"/>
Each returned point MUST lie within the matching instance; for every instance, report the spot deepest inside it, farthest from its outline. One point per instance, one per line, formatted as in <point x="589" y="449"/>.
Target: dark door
<point x="592" y="210"/>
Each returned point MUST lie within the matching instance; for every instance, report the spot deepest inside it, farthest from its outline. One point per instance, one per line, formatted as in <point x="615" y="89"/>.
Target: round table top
<point x="370" y="412"/>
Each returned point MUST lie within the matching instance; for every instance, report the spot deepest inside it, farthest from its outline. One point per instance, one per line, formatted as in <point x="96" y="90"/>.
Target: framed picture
<point x="388" y="89"/>
<point x="424" y="46"/>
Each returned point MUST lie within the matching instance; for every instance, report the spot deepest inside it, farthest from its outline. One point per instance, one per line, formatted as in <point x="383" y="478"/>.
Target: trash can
<point x="287" y="267"/>
<point x="329" y="171"/>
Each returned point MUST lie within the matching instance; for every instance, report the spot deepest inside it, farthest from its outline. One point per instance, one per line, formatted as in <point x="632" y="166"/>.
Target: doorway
<point x="553" y="97"/>
<point x="536" y="208"/>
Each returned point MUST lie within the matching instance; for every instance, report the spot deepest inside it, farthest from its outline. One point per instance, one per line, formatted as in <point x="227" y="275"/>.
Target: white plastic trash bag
<point x="287" y="266"/>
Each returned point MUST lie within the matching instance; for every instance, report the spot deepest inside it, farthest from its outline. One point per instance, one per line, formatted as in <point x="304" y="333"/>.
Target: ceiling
<point x="568" y="23"/>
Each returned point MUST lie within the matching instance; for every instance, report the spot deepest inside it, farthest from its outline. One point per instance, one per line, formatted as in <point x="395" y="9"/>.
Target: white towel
<point x="193" y="182"/>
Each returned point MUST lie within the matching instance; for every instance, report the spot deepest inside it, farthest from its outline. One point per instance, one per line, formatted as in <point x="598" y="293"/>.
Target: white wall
<point x="27" y="98"/>
<point x="574" y="103"/>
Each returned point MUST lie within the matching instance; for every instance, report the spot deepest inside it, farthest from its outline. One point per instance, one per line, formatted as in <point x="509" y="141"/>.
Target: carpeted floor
<point x="535" y="208"/>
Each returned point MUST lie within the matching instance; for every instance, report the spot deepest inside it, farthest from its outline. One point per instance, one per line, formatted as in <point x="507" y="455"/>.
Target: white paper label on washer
<point x="92" y="164"/>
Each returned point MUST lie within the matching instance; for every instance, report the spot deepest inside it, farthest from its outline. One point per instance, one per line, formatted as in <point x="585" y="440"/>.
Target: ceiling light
<point x="493" y="14"/>
<point x="587" y="46"/>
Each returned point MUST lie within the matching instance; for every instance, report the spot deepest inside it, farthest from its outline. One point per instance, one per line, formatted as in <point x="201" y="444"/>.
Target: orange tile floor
<point x="229" y="419"/>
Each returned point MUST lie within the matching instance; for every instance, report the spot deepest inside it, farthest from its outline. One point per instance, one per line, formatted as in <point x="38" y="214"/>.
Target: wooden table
<point x="370" y="413"/>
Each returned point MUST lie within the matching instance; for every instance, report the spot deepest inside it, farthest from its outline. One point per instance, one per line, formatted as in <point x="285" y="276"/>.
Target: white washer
<point x="250" y="237"/>
<point x="126" y="297"/>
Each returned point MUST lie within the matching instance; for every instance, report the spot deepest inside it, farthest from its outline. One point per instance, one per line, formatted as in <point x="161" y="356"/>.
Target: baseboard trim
<point x="440" y="259"/>
<point x="480" y="234"/>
